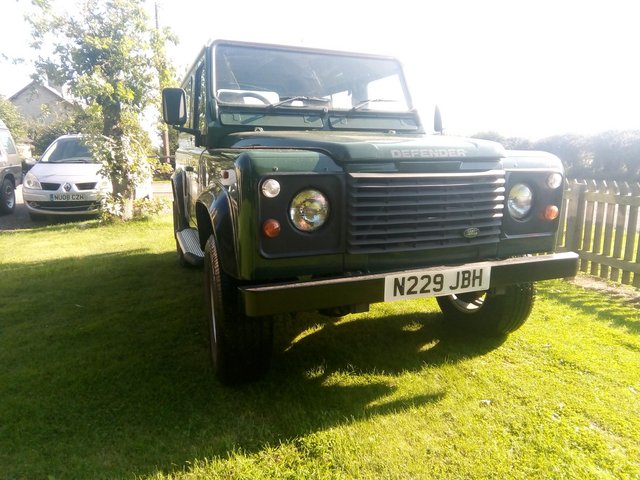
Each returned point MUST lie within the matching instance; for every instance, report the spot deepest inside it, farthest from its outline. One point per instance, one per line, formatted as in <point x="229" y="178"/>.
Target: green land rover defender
<point x="305" y="180"/>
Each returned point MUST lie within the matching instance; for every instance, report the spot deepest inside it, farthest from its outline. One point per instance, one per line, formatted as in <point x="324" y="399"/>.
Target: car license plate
<point x="67" y="197"/>
<point x="432" y="283"/>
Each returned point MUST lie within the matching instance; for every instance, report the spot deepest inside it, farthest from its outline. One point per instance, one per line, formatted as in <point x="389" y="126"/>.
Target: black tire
<point x="489" y="313"/>
<point x="240" y="345"/>
<point x="7" y="197"/>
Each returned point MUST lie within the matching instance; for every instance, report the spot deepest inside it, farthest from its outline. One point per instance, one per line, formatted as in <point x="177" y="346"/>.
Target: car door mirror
<point x="174" y="106"/>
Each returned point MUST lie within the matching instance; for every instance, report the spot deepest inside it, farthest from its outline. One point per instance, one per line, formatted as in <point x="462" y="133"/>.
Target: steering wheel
<point x="257" y="96"/>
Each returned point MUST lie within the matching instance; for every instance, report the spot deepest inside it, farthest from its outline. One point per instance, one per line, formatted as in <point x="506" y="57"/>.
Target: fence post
<point x="575" y="216"/>
<point x="621" y="221"/>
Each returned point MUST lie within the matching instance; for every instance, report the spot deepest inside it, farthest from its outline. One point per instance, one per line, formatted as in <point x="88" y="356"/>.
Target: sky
<point x="526" y="68"/>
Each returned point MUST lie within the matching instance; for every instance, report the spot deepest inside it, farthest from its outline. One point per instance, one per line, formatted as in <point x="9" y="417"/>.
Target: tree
<point x="10" y="115"/>
<point x="113" y="62"/>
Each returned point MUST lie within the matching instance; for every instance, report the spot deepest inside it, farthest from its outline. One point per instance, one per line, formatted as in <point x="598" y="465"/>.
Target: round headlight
<point x="520" y="201"/>
<point x="309" y="210"/>
<point x="31" y="181"/>
<point x="554" y="180"/>
<point x="270" y="188"/>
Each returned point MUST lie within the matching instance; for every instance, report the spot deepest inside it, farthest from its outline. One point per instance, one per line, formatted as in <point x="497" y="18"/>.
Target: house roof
<point x="34" y="84"/>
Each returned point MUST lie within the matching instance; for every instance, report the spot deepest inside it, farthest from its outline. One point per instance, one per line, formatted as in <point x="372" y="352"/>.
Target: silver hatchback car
<point x="66" y="181"/>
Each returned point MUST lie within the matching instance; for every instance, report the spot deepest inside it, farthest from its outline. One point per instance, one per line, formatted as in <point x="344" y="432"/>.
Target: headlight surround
<point x="520" y="201"/>
<point x="32" y="182"/>
<point x="309" y="210"/>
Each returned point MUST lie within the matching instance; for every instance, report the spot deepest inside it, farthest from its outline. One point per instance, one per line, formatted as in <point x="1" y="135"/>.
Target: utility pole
<point x="166" y="153"/>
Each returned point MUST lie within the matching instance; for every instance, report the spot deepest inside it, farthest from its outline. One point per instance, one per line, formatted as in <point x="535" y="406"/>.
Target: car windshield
<point x="278" y="78"/>
<point x="67" y="150"/>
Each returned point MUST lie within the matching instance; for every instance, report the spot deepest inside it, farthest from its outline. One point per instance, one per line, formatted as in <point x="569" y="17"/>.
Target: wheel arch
<point x="214" y="214"/>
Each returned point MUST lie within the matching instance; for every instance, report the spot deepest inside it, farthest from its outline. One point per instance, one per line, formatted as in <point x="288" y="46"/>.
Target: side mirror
<point x="174" y="106"/>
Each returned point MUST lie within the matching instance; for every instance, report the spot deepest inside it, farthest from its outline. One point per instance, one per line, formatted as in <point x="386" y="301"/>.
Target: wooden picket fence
<point x="599" y="221"/>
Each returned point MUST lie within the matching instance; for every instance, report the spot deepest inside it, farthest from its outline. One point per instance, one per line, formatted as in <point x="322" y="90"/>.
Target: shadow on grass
<point x="106" y="371"/>
<point x="593" y="303"/>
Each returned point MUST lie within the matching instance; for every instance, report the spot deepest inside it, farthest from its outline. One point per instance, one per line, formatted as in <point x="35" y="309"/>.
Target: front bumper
<point x="366" y="289"/>
<point x="41" y="202"/>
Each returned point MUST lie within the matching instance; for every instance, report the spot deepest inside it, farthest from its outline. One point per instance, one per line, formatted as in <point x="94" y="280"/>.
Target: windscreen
<point x="67" y="150"/>
<point x="252" y="75"/>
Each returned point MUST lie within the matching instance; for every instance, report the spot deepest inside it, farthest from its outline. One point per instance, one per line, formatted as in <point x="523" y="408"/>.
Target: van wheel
<point x="240" y="345"/>
<point x="7" y="196"/>
<point x="490" y="313"/>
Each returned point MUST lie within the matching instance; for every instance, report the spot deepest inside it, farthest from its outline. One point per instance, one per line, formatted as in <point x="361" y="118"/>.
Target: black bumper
<point x="366" y="289"/>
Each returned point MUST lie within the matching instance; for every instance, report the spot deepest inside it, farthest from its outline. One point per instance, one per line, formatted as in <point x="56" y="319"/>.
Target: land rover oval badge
<point x="471" y="232"/>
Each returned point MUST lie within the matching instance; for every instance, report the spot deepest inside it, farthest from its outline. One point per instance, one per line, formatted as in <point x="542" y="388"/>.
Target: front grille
<point x="70" y="207"/>
<point x="86" y="186"/>
<point x="49" y="186"/>
<point x="408" y="212"/>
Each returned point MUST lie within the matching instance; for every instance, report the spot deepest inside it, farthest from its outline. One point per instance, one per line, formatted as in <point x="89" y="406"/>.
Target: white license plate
<point x="436" y="283"/>
<point x="67" y="197"/>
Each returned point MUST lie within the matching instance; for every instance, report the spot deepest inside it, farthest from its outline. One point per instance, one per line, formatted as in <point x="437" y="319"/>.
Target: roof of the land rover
<point x="294" y="47"/>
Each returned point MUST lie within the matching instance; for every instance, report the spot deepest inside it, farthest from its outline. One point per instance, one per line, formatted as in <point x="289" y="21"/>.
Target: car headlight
<point x="520" y="201"/>
<point x="31" y="181"/>
<point x="271" y="188"/>
<point x="554" y="180"/>
<point x="309" y="210"/>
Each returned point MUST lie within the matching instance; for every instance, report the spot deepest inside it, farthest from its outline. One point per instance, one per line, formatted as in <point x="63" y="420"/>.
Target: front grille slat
<point x="430" y="214"/>
<point x="395" y="213"/>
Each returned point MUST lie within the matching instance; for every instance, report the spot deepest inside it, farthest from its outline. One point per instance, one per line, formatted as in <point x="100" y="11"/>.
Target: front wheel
<point x="7" y="196"/>
<point x="240" y="345"/>
<point x="490" y="312"/>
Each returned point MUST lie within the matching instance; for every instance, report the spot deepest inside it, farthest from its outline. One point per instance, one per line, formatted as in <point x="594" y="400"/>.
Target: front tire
<point x="240" y="345"/>
<point x="7" y="197"/>
<point x="490" y="313"/>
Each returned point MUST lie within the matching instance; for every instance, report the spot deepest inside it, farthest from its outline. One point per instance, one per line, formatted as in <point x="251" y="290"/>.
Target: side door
<point x="196" y="174"/>
<point x="189" y="147"/>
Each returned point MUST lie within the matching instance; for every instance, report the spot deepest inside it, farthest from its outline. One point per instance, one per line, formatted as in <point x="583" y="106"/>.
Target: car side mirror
<point x="174" y="106"/>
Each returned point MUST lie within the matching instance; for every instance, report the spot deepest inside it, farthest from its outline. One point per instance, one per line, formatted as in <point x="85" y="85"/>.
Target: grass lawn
<point x="105" y="374"/>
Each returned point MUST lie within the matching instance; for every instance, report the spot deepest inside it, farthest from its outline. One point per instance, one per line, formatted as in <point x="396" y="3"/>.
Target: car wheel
<point x="488" y="312"/>
<point x="240" y="345"/>
<point x="7" y="197"/>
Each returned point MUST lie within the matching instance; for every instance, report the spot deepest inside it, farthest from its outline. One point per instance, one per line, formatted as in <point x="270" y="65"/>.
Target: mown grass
<point x="105" y="374"/>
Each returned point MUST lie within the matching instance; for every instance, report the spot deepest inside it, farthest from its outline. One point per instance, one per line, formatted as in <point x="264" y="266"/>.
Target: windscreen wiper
<point x="364" y="103"/>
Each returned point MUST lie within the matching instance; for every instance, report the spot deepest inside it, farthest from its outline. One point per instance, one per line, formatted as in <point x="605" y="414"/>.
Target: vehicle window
<point x="201" y="99"/>
<point x="386" y="94"/>
<point x="7" y="142"/>
<point x="189" y="93"/>
<point x="69" y="150"/>
<point x="284" y="78"/>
